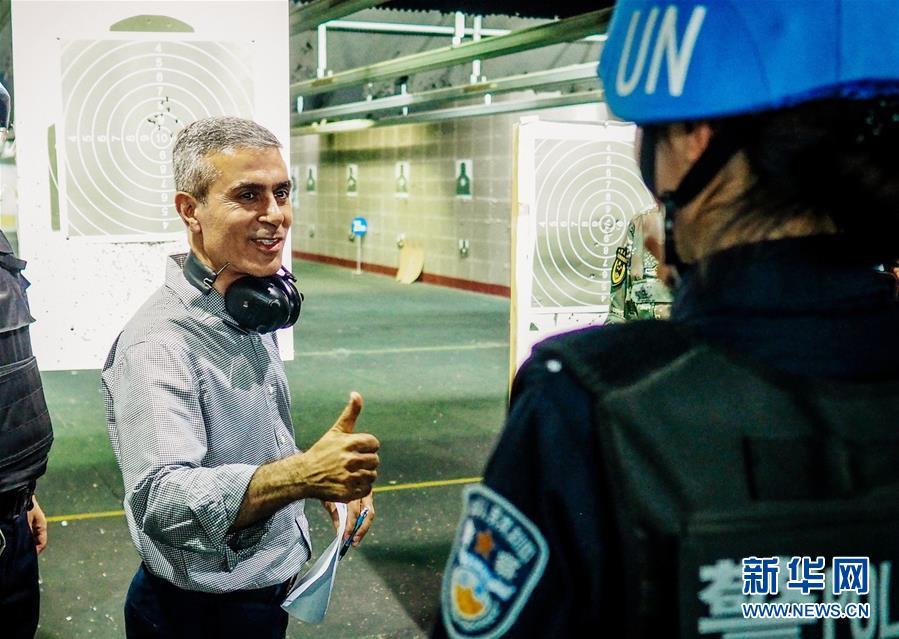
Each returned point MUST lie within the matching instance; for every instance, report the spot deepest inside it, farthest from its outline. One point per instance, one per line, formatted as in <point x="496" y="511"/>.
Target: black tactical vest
<point x="709" y="460"/>
<point x="25" y="429"/>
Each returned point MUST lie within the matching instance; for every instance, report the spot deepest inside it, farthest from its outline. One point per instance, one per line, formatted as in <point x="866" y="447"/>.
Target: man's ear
<point x="697" y="140"/>
<point x="186" y="205"/>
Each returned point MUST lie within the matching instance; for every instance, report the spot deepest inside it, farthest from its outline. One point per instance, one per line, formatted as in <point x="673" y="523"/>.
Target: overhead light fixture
<point x="338" y="126"/>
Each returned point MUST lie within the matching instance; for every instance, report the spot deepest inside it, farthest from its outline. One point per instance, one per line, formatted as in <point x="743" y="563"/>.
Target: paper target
<point x="123" y="104"/>
<point x="586" y="193"/>
<point x="577" y="189"/>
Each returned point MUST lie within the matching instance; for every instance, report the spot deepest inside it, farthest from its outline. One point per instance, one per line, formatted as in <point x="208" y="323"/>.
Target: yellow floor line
<point x="346" y="352"/>
<point x="80" y="516"/>
<point x="427" y="484"/>
<point x="378" y="489"/>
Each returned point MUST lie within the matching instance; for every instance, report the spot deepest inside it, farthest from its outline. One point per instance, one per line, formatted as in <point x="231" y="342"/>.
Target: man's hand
<point x="38" y="524"/>
<point x="341" y="465"/>
<point x="353" y="509"/>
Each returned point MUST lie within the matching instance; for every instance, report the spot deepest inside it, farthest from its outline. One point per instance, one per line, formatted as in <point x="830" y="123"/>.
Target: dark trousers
<point x="157" y="609"/>
<point x="19" y="593"/>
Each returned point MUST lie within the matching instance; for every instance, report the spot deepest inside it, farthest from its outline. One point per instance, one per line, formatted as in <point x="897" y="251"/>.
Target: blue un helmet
<point x="687" y="60"/>
<point x="682" y="60"/>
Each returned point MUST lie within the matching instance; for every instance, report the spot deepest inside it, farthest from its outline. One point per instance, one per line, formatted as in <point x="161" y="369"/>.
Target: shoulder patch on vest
<point x="619" y="267"/>
<point x="497" y="559"/>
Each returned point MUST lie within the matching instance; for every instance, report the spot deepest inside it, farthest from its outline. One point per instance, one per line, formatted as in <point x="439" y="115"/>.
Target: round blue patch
<point x="497" y="559"/>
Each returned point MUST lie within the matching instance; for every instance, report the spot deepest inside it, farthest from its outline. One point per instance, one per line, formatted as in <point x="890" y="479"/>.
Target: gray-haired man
<point x="198" y="411"/>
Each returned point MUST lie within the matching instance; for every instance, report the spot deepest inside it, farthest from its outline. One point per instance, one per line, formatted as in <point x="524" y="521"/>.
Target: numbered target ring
<point x="123" y="104"/>
<point x="586" y="193"/>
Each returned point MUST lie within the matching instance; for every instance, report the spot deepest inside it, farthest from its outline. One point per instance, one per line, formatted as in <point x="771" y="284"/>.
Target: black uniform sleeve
<point x="546" y="466"/>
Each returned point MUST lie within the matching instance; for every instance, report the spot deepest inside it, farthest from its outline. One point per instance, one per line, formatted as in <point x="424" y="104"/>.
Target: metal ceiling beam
<point x="402" y="28"/>
<point x="406" y="28"/>
<point x="566" y="30"/>
<point x="511" y="106"/>
<point x="540" y="79"/>
<point x="308" y="16"/>
<point x="456" y="113"/>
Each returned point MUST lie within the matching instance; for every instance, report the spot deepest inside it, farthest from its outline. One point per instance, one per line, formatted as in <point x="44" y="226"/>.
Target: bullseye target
<point x="586" y="193"/>
<point x="577" y="189"/>
<point x="123" y="104"/>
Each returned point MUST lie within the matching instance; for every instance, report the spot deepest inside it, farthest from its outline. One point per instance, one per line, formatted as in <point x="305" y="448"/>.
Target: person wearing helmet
<point x="637" y="291"/>
<point x="25" y="438"/>
<point x="768" y="132"/>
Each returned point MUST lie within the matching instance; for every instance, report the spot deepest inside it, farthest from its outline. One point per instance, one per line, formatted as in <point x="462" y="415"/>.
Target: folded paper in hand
<point x="308" y="600"/>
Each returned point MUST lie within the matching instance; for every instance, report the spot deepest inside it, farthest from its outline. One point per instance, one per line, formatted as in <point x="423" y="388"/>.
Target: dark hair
<point x="835" y="160"/>
<point x="193" y="171"/>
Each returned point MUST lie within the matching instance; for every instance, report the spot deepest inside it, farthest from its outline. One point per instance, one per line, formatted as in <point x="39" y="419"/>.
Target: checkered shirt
<point x="193" y="406"/>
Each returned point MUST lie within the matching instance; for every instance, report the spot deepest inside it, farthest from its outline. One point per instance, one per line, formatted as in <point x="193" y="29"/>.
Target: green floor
<point x="431" y="364"/>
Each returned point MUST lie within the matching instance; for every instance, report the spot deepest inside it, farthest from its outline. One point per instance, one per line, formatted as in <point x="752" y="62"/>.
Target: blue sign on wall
<point x="359" y="227"/>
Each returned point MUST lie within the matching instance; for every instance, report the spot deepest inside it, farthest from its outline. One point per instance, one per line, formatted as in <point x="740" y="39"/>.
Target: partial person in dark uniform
<point x="644" y="466"/>
<point x="25" y="439"/>
<point x="637" y="291"/>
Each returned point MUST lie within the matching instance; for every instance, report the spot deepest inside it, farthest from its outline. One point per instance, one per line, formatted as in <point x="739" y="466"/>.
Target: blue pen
<point x="356" y="526"/>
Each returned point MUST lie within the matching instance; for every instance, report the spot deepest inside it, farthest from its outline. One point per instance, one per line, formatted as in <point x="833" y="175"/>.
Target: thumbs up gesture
<point x="346" y="422"/>
<point x="342" y="465"/>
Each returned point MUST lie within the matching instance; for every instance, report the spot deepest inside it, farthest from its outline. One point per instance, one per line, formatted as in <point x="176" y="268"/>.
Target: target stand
<point x="577" y="186"/>
<point x="102" y="89"/>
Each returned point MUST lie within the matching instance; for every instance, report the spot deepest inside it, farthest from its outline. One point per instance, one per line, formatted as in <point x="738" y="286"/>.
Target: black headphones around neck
<point x="261" y="304"/>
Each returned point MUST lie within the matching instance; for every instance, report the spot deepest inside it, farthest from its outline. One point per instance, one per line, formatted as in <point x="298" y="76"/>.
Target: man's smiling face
<point x="246" y="215"/>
